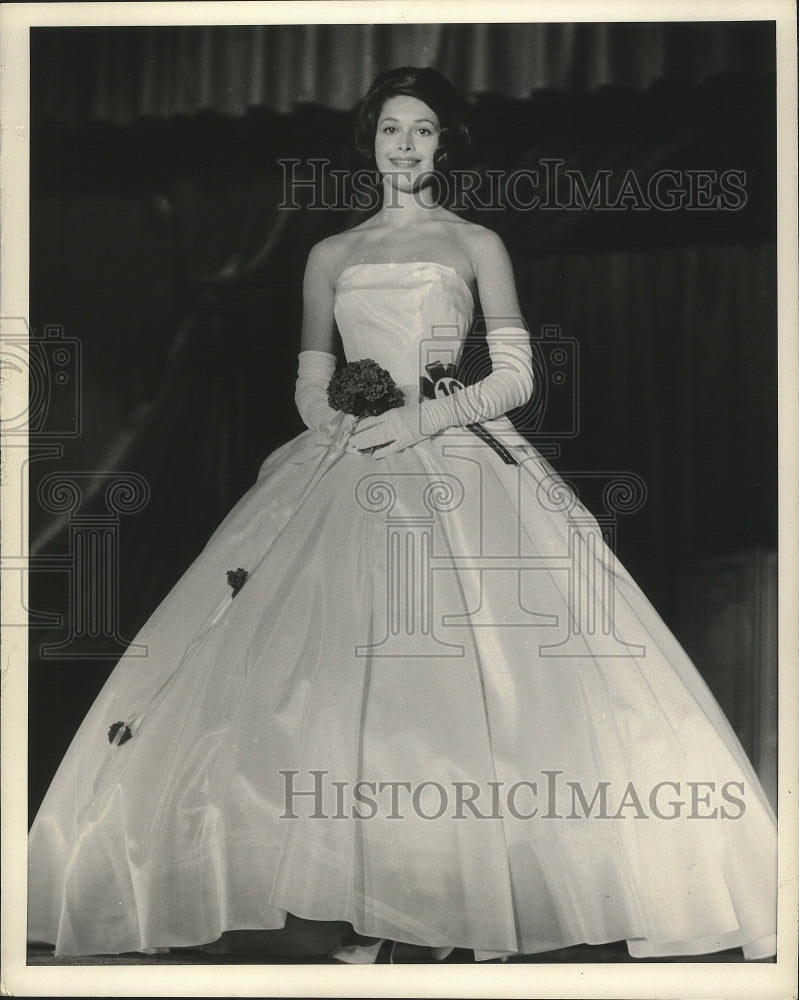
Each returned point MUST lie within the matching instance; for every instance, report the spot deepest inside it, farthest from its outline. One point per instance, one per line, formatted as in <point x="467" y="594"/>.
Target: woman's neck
<point x="405" y="208"/>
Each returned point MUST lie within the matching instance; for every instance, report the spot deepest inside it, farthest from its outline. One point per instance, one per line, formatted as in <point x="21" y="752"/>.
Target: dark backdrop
<point x="157" y="244"/>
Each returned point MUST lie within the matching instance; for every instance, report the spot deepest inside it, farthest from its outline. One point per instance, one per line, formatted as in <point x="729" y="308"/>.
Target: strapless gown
<point x="540" y="764"/>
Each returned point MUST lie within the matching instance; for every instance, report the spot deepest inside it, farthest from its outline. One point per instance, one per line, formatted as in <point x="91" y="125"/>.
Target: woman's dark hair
<point x="426" y="85"/>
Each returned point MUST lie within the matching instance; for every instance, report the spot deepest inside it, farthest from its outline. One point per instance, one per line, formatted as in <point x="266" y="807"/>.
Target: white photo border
<point x="651" y="979"/>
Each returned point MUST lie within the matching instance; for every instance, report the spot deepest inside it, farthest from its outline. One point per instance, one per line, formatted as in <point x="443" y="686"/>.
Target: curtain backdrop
<point x="118" y="74"/>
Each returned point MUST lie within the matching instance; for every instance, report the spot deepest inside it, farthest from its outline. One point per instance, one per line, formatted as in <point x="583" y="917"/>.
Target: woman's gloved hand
<point x="315" y="369"/>
<point x="390" y="432"/>
<point x="509" y="385"/>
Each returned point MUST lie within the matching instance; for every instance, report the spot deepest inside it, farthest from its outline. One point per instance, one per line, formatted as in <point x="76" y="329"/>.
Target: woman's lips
<point x="404" y="163"/>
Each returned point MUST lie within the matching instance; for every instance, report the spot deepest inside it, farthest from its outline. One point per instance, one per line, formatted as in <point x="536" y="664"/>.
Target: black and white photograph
<point x="398" y="560"/>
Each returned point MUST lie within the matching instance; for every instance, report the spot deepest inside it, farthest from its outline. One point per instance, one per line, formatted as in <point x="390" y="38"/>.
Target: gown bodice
<point x="403" y="315"/>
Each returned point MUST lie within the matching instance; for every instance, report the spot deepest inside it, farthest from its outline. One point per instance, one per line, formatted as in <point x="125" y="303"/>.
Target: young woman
<point x="435" y="709"/>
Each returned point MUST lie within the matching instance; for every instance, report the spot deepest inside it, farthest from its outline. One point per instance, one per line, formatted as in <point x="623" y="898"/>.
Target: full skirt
<point x="438" y="709"/>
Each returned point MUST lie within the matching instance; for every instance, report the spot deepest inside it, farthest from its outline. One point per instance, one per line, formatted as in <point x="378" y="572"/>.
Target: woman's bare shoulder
<point x="483" y="240"/>
<point x="327" y="255"/>
<point x="480" y="246"/>
<point x="477" y="241"/>
<point x="332" y="252"/>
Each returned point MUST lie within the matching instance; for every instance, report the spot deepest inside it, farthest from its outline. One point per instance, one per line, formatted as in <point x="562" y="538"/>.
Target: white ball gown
<point x="421" y="624"/>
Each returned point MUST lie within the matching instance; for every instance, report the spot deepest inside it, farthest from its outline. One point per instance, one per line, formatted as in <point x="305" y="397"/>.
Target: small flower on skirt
<point x="237" y="578"/>
<point x="119" y="733"/>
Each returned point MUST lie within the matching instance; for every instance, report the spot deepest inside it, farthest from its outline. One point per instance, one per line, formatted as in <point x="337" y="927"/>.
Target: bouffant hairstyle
<point x="426" y="85"/>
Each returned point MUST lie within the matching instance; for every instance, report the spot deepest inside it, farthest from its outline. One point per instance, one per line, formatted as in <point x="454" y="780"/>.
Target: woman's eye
<point x="388" y="129"/>
<point x="425" y="131"/>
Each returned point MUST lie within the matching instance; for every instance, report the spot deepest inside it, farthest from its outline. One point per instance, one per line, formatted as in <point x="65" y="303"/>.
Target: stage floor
<point x="406" y="954"/>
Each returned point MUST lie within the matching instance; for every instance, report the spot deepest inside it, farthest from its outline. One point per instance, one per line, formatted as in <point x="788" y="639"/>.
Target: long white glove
<point x="509" y="385"/>
<point x="315" y="369"/>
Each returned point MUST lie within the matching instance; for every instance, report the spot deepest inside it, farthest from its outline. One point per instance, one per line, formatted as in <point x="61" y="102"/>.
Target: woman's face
<point x="406" y="141"/>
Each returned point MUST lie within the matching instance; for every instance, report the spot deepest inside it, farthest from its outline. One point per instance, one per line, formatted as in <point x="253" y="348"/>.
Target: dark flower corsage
<point x="363" y="389"/>
<point x="119" y="733"/>
<point x="237" y="578"/>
